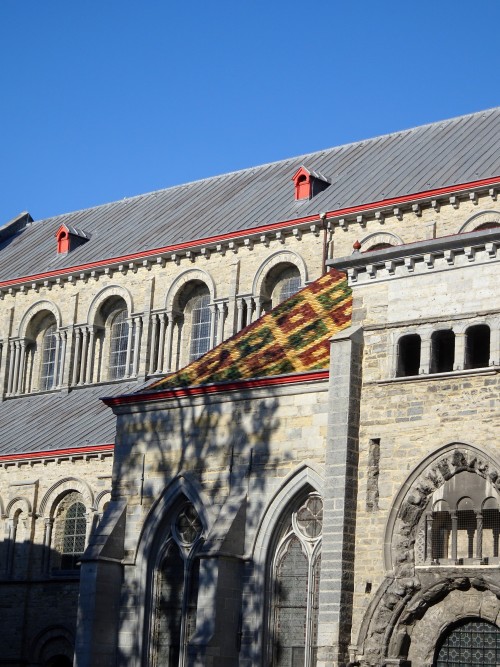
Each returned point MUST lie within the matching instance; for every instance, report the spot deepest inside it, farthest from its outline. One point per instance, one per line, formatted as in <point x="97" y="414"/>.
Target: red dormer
<point x="308" y="183"/>
<point x="69" y="238"/>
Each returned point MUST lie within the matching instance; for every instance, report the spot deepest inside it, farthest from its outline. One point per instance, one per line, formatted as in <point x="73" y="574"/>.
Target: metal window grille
<point x="118" y="346"/>
<point x="473" y="644"/>
<point x="75" y="529"/>
<point x="48" y="366"/>
<point x="200" y="326"/>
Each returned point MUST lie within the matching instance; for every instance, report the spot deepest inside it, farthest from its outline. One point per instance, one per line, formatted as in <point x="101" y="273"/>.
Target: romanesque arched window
<point x="48" y="358"/>
<point x="37" y="358"/>
<point x="118" y="344"/>
<point x="282" y="282"/>
<point x="477" y="346"/>
<point x="442" y="351"/>
<point x="177" y="589"/>
<point x="294" y="572"/>
<point x="193" y="318"/>
<point x="70" y="532"/>
<point x="200" y="326"/>
<point x="409" y="350"/>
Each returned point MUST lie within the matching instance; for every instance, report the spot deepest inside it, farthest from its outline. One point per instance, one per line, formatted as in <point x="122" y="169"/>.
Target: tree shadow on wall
<point x="221" y="447"/>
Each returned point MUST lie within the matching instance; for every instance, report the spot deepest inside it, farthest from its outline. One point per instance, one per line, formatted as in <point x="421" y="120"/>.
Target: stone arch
<point x="34" y="310"/>
<point x="185" y="277"/>
<point x="379" y="238"/>
<point x="280" y="257"/>
<point x="405" y="594"/>
<point x="308" y="474"/>
<point x="479" y="219"/>
<point x="151" y="541"/>
<point x="51" y="641"/>
<point x="104" y="295"/>
<point x="61" y="487"/>
<point x="101" y="499"/>
<point x="18" y="503"/>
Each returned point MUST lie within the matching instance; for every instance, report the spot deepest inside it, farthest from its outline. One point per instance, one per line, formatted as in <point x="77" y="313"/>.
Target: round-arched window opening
<point x="379" y="246"/>
<point x="487" y="225"/>
<point x="471" y="643"/>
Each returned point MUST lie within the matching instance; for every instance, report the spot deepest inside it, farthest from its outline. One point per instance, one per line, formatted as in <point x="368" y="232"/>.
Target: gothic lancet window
<point x="294" y="586"/>
<point x="177" y="589"/>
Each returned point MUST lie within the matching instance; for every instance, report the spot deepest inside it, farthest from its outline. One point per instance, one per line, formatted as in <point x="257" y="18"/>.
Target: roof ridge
<point x="260" y="167"/>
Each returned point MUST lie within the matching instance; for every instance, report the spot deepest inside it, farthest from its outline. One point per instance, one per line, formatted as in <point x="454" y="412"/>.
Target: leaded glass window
<point x="471" y="644"/>
<point x="177" y="589"/>
<point x="48" y="368"/>
<point x="200" y="326"/>
<point x="289" y="284"/>
<point x="73" y="544"/>
<point x="295" y="576"/>
<point x="119" y="334"/>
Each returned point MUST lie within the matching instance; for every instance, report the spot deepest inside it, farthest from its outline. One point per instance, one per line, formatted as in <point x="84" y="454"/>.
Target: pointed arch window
<point x="177" y="589"/>
<point x="294" y="578"/>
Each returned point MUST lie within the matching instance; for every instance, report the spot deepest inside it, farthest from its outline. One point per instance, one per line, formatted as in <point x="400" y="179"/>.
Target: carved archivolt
<point x="36" y="308"/>
<point x="104" y="295"/>
<point x="378" y="238"/>
<point x="184" y="278"/>
<point x="402" y="599"/>
<point x="63" y="486"/>
<point x="281" y="257"/>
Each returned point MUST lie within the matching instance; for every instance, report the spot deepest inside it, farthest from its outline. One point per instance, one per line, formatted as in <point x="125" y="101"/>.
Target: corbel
<point x="280" y="236"/>
<point x="147" y="264"/>
<point x="343" y="224"/>
<point x="470" y="253"/>
<point x="410" y="264"/>
<point x="233" y="246"/>
<point x="314" y="229"/>
<point x="122" y="269"/>
<point x="390" y="267"/>
<point x="190" y="255"/>
<point x="398" y="212"/>
<point x="175" y="258"/>
<point x="416" y="209"/>
<point x="491" y="249"/>
<point x="473" y="197"/>
<point x="132" y="267"/>
<point x="161" y="261"/>
<point x="205" y="252"/>
<point x="429" y="260"/>
<point x="454" y="201"/>
<point x="47" y="284"/>
<point x="265" y="240"/>
<point x="35" y="287"/>
<point x="22" y="289"/>
<point x="379" y="217"/>
<point x="371" y="271"/>
<point x="221" y="249"/>
<point x="248" y="243"/>
<point x="435" y="205"/>
<point x="297" y="233"/>
<point x="360" y="219"/>
<point x="449" y="256"/>
<point x="94" y="275"/>
<point x="352" y="275"/>
<point x="493" y="193"/>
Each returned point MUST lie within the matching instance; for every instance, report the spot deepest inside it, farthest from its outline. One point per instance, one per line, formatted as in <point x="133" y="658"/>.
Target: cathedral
<point x="251" y="421"/>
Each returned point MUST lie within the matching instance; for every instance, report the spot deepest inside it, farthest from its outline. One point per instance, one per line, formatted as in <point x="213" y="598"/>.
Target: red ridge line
<point x="201" y="390"/>
<point x="254" y="230"/>
<point x="59" y="452"/>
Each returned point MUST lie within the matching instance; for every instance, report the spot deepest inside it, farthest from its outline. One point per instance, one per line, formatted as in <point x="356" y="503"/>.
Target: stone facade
<point x="209" y="505"/>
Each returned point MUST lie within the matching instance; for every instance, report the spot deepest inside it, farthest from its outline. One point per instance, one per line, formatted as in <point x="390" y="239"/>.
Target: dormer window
<point x="69" y="238"/>
<point x="308" y="183"/>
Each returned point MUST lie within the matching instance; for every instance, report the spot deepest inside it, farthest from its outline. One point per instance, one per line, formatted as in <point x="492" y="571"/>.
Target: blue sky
<point x="104" y="99"/>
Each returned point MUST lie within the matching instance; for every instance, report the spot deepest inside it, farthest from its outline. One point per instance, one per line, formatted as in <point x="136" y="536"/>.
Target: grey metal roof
<point x="46" y="422"/>
<point x="446" y="153"/>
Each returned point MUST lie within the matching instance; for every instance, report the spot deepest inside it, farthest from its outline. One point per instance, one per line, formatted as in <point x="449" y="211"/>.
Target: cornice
<point x="234" y="241"/>
<point x="90" y="451"/>
<point x="443" y="253"/>
<point x="220" y="388"/>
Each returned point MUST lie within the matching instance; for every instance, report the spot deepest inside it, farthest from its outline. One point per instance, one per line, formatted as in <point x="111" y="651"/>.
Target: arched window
<point x="409" y="348"/>
<point x="477" y="346"/>
<point x="118" y="343"/>
<point x="48" y="358"/>
<point x="282" y="282"/>
<point x="442" y="351"/>
<point x="294" y="586"/>
<point x="200" y="326"/>
<point x="70" y="532"/>
<point x="471" y="643"/>
<point x="177" y="589"/>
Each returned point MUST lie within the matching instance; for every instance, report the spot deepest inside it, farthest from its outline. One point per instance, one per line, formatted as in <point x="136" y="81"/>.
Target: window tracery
<point x="295" y="573"/>
<point x="177" y="588"/>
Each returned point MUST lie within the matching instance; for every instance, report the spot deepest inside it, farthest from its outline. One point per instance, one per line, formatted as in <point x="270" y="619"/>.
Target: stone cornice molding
<point x="416" y="258"/>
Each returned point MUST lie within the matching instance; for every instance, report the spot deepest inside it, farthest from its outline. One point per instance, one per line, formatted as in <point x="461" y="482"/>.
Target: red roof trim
<point x="53" y="453"/>
<point x="223" y="387"/>
<point x="426" y="194"/>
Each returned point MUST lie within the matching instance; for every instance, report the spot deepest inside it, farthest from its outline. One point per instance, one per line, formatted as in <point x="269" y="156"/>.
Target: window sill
<point x="487" y="370"/>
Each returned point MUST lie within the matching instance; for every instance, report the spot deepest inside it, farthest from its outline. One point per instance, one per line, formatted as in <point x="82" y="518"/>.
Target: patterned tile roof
<point x="292" y="338"/>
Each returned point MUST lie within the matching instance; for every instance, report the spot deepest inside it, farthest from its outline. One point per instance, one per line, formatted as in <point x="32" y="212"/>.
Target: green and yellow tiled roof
<point x="291" y="338"/>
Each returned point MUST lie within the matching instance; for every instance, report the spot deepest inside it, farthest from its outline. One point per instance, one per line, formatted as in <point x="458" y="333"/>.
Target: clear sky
<point x="105" y="99"/>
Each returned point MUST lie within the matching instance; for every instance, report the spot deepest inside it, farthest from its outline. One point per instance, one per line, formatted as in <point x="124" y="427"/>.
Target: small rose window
<point x="188" y="525"/>
<point x="310" y="517"/>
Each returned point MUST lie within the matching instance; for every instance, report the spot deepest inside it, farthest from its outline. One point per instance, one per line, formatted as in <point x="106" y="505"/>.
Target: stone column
<point x="22" y="357"/>
<point x="62" y="365"/>
<point x="249" y="303"/>
<point x="15" y="386"/>
<point x="425" y="356"/>
<point x="160" y="364"/>
<point x="90" y="356"/>
<point x="83" y="364"/>
<point x="429" y="549"/>
<point x="167" y="367"/>
<point x="479" y="535"/>
<point x="239" y="322"/>
<point x="12" y="356"/>
<point x="495" y="344"/>
<point x="129" y="345"/>
<point x="153" y="346"/>
<point x="213" y="310"/>
<point x="341" y="479"/>
<point x="137" y="347"/>
<point x="76" y="358"/>
<point x="459" y="362"/>
<point x="258" y="308"/>
<point x="47" y="542"/>
<point x="220" y="322"/>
